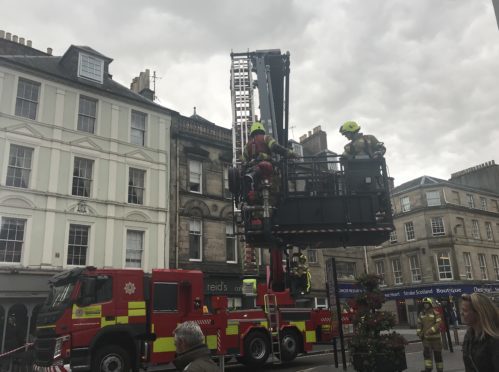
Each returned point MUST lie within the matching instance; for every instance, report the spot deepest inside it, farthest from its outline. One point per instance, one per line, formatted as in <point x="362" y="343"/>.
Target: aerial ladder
<point x="322" y="202"/>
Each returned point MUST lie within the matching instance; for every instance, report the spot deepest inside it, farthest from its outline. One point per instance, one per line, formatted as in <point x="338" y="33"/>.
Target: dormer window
<point x="90" y="67"/>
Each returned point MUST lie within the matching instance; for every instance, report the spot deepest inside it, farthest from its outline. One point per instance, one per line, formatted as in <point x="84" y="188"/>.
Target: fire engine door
<point x="164" y="319"/>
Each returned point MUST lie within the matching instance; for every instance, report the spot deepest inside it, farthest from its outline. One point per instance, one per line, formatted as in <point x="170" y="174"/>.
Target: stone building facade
<point x="445" y="243"/>
<point x="84" y="175"/>
<point x="202" y="233"/>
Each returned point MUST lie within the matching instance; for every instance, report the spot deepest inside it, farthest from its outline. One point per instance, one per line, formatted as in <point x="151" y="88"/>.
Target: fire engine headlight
<point x="58" y="345"/>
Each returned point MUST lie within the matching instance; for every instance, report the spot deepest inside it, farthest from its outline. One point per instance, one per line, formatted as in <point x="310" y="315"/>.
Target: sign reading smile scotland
<point x="350" y="290"/>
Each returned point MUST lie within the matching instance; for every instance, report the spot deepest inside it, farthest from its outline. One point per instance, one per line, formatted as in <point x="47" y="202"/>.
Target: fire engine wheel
<point x="111" y="358"/>
<point x="289" y="345"/>
<point x="256" y="349"/>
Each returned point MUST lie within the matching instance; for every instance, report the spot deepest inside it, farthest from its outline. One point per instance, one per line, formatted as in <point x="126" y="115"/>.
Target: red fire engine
<point x="121" y="320"/>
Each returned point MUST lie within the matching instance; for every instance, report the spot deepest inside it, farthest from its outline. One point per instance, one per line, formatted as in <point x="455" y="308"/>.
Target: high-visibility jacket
<point x="429" y="324"/>
<point x="364" y="146"/>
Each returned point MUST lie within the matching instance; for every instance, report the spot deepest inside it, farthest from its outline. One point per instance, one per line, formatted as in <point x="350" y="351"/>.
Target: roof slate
<point x="51" y="65"/>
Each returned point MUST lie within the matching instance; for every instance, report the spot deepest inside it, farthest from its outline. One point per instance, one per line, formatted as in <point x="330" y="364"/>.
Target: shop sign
<point x="439" y="291"/>
<point x="223" y="286"/>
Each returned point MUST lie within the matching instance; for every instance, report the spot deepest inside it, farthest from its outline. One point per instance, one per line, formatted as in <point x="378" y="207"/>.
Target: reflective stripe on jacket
<point x="429" y="324"/>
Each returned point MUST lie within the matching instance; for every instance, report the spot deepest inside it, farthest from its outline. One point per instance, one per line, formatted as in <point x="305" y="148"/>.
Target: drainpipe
<point x="365" y="258"/>
<point x="177" y="202"/>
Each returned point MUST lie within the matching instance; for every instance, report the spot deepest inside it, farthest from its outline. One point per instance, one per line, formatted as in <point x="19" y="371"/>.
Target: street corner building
<point x="84" y="174"/>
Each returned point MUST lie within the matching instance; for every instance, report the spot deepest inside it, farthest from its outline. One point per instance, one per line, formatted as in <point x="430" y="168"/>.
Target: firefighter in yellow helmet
<point x="361" y="146"/>
<point x="428" y="330"/>
<point x="300" y="281"/>
<point x="260" y="146"/>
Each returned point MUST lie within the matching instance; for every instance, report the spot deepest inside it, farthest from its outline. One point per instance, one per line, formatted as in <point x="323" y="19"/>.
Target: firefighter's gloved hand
<point x="419" y="333"/>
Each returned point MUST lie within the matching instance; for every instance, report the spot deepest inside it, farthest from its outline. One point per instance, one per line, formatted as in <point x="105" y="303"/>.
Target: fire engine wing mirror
<point x="87" y="292"/>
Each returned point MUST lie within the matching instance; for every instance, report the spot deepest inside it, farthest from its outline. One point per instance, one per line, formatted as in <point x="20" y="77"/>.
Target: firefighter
<point x="261" y="146"/>
<point x="300" y="280"/>
<point x="257" y="163"/>
<point x="361" y="146"/>
<point x="428" y="330"/>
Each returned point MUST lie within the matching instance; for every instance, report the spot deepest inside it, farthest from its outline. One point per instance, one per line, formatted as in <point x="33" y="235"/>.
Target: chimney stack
<point x="14" y="38"/>
<point x="8" y="36"/>
<point x="49" y="51"/>
<point x="29" y="43"/>
<point x="21" y="40"/>
<point x="2" y="34"/>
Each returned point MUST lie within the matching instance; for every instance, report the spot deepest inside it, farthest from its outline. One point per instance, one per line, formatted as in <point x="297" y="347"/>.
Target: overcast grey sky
<point x="423" y="76"/>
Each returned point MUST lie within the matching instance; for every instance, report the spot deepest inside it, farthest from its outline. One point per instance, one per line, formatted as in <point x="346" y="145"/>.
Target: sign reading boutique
<point x="347" y="290"/>
<point x="439" y="291"/>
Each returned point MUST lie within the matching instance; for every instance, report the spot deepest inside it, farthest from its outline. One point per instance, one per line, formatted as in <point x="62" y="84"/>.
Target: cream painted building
<point x="84" y="173"/>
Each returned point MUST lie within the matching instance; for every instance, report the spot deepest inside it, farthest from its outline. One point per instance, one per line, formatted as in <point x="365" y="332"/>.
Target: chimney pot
<point x="14" y="38"/>
<point x="29" y="43"/>
<point x="49" y="51"/>
<point x="8" y="35"/>
<point x="309" y="133"/>
<point x="21" y="40"/>
<point x="2" y="34"/>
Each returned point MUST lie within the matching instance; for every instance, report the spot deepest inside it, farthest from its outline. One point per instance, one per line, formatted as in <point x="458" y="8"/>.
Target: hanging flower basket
<point x="372" y="349"/>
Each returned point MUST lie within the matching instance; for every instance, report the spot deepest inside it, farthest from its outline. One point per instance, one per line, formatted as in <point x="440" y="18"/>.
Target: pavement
<point x="414" y="353"/>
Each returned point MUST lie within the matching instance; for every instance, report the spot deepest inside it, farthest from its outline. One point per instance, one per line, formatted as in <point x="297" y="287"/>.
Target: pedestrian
<point x="361" y="146"/>
<point x="192" y="353"/>
<point x="428" y="330"/>
<point x="481" y="342"/>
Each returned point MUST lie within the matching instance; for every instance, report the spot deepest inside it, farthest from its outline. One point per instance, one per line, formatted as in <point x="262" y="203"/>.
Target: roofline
<point x="152" y="105"/>
<point x="442" y="183"/>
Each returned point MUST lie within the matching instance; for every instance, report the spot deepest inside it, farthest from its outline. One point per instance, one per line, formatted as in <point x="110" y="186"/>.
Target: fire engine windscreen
<point x="59" y="295"/>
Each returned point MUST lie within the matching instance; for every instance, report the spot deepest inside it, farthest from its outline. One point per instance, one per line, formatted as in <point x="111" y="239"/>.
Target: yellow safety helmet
<point x="428" y="300"/>
<point x="257" y="126"/>
<point x="349" y="126"/>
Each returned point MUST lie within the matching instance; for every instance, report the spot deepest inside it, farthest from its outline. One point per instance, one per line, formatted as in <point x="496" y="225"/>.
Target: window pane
<point x="138" y="128"/>
<point x="444" y="265"/>
<point x="409" y="231"/>
<point x="82" y="177"/>
<point x="134" y="248"/>
<point x="27" y="98"/>
<point x="78" y="245"/>
<point x="397" y="271"/>
<point x="467" y="265"/>
<point x="19" y="168"/>
<point x="195" y="240"/>
<point x="312" y="255"/>
<point x="91" y="67"/>
<point x="230" y="243"/>
<point x="405" y="204"/>
<point x="195" y="173"/>
<point x="11" y="239"/>
<point x="433" y="198"/>
<point x="136" y="186"/>
<point x="437" y="226"/>
<point x="415" y="269"/>
<point x="87" y="114"/>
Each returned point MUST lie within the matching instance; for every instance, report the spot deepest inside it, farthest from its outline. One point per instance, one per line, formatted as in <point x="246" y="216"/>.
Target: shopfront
<point x="231" y="287"/>
<point x="406" y="301"/>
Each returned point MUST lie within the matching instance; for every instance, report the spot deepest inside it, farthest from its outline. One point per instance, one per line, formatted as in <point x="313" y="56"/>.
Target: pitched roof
<point x="50" y="65"/>
<point x="420" y="181"/>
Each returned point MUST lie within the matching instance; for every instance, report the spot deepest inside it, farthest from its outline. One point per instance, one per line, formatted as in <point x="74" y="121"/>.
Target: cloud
<point x="420" y="75"/>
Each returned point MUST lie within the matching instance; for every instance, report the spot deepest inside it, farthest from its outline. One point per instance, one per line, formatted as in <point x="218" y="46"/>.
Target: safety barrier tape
<point x="17" y="349"/>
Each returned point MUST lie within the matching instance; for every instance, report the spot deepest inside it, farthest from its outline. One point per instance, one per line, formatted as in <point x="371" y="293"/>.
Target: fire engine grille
<point x="44" y="351"/>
